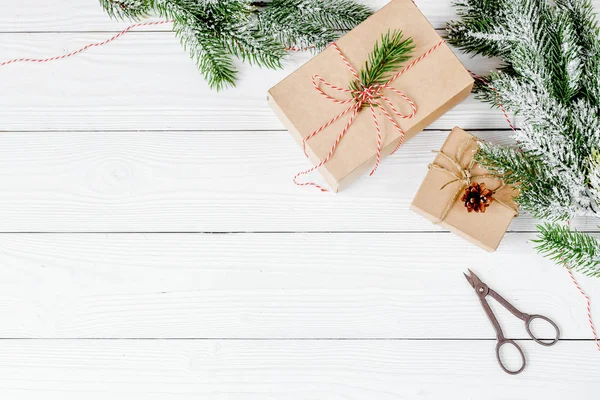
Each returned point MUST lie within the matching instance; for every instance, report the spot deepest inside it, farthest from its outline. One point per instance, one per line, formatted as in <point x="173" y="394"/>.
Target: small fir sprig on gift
<point x="385" y="60"/>
<point x="215" y="32"/>
<point x="551" y="79"/>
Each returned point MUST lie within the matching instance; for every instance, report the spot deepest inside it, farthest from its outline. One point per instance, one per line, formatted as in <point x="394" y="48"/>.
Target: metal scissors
<point x="482" y="290"/>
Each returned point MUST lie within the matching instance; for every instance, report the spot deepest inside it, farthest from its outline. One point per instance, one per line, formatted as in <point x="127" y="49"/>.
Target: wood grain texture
<point x="146" y="81"/>
<point x="274" y="286"/>
<point x="202" y="182"/>
<point x="295" y="370"/>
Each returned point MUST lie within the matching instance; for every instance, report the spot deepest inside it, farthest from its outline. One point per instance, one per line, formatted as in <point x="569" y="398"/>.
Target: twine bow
<point x="364" y="97"/>
<point x="463" y="175"/>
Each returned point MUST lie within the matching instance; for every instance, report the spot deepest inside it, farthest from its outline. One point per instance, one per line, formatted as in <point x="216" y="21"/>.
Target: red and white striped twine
<point x="118" y="35"/>
<point x="588" y="305"/>
<point x="588" y="302"/>
<point x="371" y="96"/>
<point x="86" y="47"/>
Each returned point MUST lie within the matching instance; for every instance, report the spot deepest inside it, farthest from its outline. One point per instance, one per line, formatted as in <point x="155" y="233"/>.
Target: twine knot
<point x="368" y="95"/>
<point x="464" y="175"/>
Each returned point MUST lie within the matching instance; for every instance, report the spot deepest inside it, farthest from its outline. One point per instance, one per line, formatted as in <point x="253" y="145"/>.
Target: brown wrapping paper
<point x="484" y="229"/>
<point x="436" y="84"/>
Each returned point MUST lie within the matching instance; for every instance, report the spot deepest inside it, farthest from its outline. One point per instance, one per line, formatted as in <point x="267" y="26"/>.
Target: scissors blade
<point x="469" y="280"/>
<point x="473" y="279"/>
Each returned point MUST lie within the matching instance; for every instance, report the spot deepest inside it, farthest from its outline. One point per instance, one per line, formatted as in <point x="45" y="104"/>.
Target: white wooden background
<point x="152" y="244"/>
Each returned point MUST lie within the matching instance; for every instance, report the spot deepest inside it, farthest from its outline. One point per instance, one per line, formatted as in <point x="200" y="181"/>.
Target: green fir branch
<point x="310" y="23"/>
<point x="202" y="30"/>
<point x="127" y="9"/>
<point x="335" y="15"/>
<point x="286" y="20"/>
<point x="532" y="179"/>
<point x="385" y="60"/>
<point x="209" y="53"/>
<point x="256" y="48"/>
<point x="577" y="250"/>
<point x="479" y="30"/>
<point x="582" y="16"/>
<point x="510" y="163"/>
<point x="215" y="32"/>
<point x="566" y="59"/>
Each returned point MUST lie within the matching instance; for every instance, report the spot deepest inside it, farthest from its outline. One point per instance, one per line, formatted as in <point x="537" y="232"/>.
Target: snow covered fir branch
<point x="551" y="80"/>
<point x="216" y="32"/>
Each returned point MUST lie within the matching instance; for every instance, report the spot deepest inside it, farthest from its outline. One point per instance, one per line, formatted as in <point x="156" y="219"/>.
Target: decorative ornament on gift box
<point x="347" y="121"/>
<point x="456" y="194"/>
<point x="477" y="197"/>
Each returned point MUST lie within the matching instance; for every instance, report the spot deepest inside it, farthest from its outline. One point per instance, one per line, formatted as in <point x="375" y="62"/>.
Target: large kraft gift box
<point x="440" y="196"/>
<point x="435" y="84"/>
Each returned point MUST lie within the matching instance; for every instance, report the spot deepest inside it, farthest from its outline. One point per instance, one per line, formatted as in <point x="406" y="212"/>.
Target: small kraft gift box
<point x="345" y="127"/>
<point x="464" y="197"/>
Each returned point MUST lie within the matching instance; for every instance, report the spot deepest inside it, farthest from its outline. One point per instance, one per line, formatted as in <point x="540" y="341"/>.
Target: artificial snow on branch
<point x="551" y="80"/>
<point x="215" y="32"/>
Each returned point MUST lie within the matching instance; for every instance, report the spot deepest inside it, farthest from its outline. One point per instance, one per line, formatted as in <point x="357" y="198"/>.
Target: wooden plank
<point x="385" y="370"/>
<point x="74" y="15"/>
<point x="201" y="182"/>
<point x="282" y="286"/>
<point x="145" y="81"/>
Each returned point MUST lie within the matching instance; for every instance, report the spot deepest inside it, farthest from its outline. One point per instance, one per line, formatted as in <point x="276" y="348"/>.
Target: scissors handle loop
<point x="544" y="342"/>
<point x="499" y="345"/>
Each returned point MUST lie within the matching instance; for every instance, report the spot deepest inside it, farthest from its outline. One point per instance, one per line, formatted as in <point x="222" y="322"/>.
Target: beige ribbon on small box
<point x="465" y="176"/>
